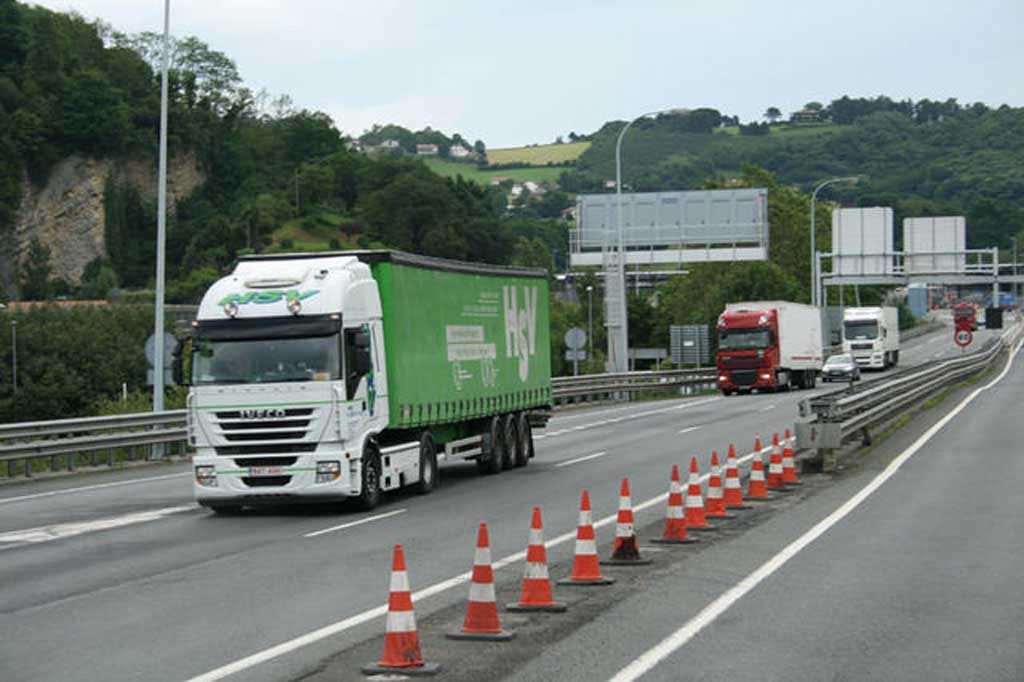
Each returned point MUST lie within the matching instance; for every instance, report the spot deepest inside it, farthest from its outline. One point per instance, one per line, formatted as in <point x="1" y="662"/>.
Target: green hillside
<point x="538" y="154"/>
<point x="470" y="171"/>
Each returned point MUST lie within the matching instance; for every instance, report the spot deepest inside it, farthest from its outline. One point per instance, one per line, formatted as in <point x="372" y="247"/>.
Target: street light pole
<point x="14" y="356"/>
<point x="622" y="332"/>
<point x="590" y="321"/>
<point x="161" y="226"/>
<point x="815" y="293"/>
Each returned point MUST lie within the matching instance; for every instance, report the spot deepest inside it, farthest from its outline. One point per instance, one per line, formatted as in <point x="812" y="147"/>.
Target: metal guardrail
<point x="98" y="438"/>
<point x="842" y="415"/>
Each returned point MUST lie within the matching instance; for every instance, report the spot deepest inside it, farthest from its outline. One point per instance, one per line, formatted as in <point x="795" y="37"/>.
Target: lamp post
<point x="1013" y="240"/>
<point x="14" y="356"/>
<point x="620" y="336"/>
<point x="852" y="179"/>
<point x="590" y="321"/>
<point x="161" y="230"/>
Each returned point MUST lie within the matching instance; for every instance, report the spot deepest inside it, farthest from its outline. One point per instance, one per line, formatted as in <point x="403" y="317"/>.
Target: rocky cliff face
<point x="67" y="215"/>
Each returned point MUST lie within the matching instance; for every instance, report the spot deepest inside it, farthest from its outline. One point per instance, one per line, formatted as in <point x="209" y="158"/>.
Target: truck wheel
<point x="428" y="465"/>
<point x="489" y="461"/>
<point x="369" y="494"/>
<point x="510" y="441"/>
<point x="895" y="358"/>
<point x="524" y="446"/>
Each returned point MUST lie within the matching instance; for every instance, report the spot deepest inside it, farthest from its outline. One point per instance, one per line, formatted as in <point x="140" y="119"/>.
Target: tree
<point x="814" y="106"/>
<point x="35" y="283"/>
<point x="772" y="114"/>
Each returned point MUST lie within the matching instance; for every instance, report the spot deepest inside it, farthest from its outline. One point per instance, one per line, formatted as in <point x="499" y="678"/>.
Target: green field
<point x="469" y="171"/>
<point x="538" y="155"/>
<point x="804" y="129"/>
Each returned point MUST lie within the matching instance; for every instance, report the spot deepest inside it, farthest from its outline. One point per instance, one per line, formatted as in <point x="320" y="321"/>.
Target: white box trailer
<point x="872" y="336"/>
<point x="862" y="239"/>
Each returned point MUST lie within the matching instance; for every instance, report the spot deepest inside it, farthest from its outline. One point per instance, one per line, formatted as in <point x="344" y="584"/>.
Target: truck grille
<point x="862" y="346"/>
<point x="266" y="461"/>
<point x="751" y="361"/>
<point x="268" y="449"/>
<point x="281" y="435"/>
<point x="744" y="377"/>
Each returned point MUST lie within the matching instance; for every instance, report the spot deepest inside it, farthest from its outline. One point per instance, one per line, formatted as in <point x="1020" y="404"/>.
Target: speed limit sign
<point x="963" y="337"/>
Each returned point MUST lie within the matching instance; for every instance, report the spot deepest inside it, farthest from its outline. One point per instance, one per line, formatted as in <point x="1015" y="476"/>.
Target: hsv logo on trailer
<point x="520" y="327"/>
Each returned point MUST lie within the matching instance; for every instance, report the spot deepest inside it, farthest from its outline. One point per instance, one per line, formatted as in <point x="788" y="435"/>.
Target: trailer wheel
<point x="428" y="465"/>
<point x="510" y="442"/>
<point x="489" y="461"/>
<point x="369" y="494"/>
<point x="524" y="445"/>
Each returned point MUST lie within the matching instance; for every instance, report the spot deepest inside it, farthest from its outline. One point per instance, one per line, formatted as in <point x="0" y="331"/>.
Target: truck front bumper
<point x="231" y="484"/>
<point x="874" y="359"/>
<point x="729" y="380"/>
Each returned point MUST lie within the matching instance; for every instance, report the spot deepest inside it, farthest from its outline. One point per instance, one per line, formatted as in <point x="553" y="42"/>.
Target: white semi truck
<point x="325" y="377"/>
<point x="872" y="336"/>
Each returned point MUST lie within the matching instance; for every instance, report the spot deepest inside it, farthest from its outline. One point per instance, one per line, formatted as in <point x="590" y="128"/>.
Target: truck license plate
<point x="265" y="471"/>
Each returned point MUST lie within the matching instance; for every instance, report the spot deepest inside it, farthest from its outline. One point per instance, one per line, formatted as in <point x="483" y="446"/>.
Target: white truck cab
<point x="872" y="336"/>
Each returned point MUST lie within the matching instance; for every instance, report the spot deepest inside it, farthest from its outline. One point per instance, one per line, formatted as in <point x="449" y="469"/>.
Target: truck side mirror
<point x="361" y="340"/>
<point x="362" y="358"/>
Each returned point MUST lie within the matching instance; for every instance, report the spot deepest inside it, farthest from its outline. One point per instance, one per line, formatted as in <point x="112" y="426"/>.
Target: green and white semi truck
<point x="332" y="376"/>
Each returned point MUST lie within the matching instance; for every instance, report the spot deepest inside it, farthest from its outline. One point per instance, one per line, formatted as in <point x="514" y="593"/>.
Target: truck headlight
<point x="723" y="378"/>
<point x="766" y="376"/>
<point x="327" y="472"/>
<point x="206" y="476"/>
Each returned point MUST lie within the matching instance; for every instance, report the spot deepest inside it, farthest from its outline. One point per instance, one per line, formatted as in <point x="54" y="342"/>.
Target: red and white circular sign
<point x="963" y="337"/>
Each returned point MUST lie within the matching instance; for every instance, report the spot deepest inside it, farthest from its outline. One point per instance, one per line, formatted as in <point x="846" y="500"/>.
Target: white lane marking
<point x="66" y="530"/>
<point x="688" y="429"/>
<point x="437" y="588"/>
<point x="767" y="408"/>
<point x="645" y="662"/>
<point x="580" y="459"/>
<point x="935" y="355"/>
<point x="628" y="417"/>
<point x="352" y="524"/>
<point x="98" y="486"/>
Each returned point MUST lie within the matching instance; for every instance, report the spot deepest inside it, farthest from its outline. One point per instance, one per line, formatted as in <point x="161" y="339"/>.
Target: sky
<point x="516" y="73"/>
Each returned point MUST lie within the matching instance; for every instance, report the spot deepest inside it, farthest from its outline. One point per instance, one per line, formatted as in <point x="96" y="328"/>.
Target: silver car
<point x="840" y="368"/>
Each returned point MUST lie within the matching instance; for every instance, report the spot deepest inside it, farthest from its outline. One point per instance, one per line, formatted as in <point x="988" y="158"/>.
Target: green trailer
<point x="375" y="364"/>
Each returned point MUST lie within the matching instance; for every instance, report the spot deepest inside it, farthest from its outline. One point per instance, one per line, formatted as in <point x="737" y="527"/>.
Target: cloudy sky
<point x="515" y="73"/>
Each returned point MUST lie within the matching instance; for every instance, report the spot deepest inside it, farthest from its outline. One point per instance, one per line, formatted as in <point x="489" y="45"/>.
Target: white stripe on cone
<point x="624" y="530"/>
<point x="482" y="556"/>
<point x="401" y="621"/>
<point x="536" y="571"/>
<point x="536" y="536"/>
<point x="693" y="501"/>
<point x="586" y="518"/>
<point x="399" y="581"/>
<point x="481" y="592"/>
<point x="674" y="512"/>
<point x="586" y="547"/>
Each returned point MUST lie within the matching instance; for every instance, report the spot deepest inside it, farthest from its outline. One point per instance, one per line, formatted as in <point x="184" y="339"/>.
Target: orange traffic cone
<point x="536" y="593"/>
<point x="585" y="569"/>
<point x="401" y="642"/>
<point x="733" y="492"/>
<point x="626" y="551"/>
<point x="756" y="489"/>
<point x="715" y="506"/>
<point x="695" y="519"/>
<point x="775" y="481"/>
<point x="789" y="476"/>
<point x="482" y="610"/>
<point x="675" y="523"/>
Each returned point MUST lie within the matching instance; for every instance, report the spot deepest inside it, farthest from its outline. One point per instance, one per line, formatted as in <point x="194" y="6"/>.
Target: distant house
<point x="534" y="187"/>
<point x="498" y="179"/>
<point x="390" y="144"/>
<point x="457" y="151"/>
<point x="426" y="150"/>
<point x="806" y="116"/>
<point x="609" y="184"/>
<point x="569" y="214"/>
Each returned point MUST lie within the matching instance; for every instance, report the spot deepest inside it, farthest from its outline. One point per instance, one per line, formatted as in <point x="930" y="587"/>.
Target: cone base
<point x="794" y="483"/>
<point x="424" y="670"/>
<point x="766" y="498"/>
<point x="777" y="490"/>
<point x="591" y="581"/>
<point x="701" y="529"/>
<point x="738" y="506"/>
<point x="502" y="636"/>
<point x="721" y="515"/>
<point x="673" y="541"/>
<point x="639" y="561"/>
<point x="553" y="607"/>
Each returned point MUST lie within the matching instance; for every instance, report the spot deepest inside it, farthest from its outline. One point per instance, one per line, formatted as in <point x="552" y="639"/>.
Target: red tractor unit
<point x="965" y="316"/>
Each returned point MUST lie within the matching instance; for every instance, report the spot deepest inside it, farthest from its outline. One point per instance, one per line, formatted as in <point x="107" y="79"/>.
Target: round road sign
<point x="963" y="337"/>
<point x="575" y="338"/>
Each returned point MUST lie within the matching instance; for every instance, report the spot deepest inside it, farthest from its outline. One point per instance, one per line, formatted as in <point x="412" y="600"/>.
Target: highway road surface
<point x="120" y="577"/>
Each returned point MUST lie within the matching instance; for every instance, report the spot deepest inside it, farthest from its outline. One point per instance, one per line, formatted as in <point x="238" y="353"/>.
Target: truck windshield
<point x="861" y="329"/>
<point x="744" y="339"/>
<point x="266" y="361"/>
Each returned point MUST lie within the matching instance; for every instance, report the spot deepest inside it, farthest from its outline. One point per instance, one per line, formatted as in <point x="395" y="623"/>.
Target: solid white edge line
<point x="644" y="663"/>
<point x="352" y="524"/>
<point x="580" y="459"/>
<point x="437" y="588"/>
<point x="688" y="429"/>
<point x="98" y="486"/>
